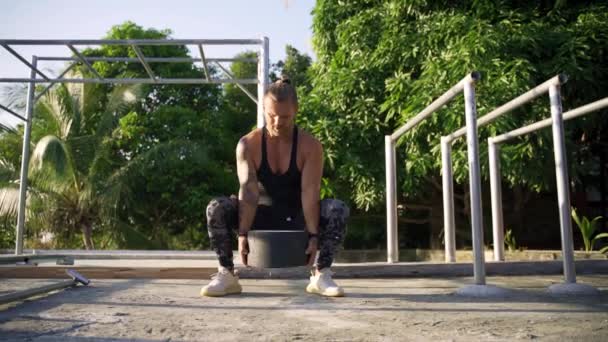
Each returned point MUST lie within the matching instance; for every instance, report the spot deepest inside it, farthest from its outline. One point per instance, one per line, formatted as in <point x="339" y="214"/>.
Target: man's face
<point x="279" y="116"/>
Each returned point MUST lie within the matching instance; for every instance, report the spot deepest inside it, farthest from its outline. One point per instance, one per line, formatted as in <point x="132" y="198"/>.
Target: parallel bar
<point x="205" y="68"/>
<point x="87" y="64"/>
<point x="448" y="201"/>
<point x="142" y="60"/>
<point x="247" y="92"/>
<point x="580" y="111"/>
<point x="474" y="183"/>
<point x="563" y="187"/>
<point x="25" y="160"/>
<point x="10" y="111"/>
<point x="130" y="41"/>
<point x="443" y="99"/>
<point x="516" y="102"/>
<point x="24" y="61"/>
<point x="128" y="80"/>
<point x="391" y="201"/>
<point x="498" y="230"/>
<point x="44" y="91"/>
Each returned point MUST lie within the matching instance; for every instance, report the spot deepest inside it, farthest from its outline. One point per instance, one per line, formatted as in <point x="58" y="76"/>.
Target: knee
<point x="334" y="208"/>
<point x="219" y="209"/>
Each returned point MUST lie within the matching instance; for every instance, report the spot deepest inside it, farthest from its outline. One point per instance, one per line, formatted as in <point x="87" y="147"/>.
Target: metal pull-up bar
<point x="135" y="44"/>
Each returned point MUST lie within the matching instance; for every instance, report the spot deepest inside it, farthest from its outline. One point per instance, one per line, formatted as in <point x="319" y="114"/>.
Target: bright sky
<point x="282" y="21"/>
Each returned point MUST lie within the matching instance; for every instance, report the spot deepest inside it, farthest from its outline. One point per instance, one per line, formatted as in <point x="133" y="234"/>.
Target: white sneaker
<point x="223" y="283"/>
<point x="323" y="285"/>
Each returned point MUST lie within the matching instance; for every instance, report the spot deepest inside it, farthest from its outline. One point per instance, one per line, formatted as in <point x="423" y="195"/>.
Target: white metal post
<point x="263" y="65"/>
<point x="29" y="109"/>
<point x="391" y="200"/>
<point x="449" y="227"/>
<point x="474" y="183"/>
<point x="563" y="189"/>
<point x="496" y="195"/>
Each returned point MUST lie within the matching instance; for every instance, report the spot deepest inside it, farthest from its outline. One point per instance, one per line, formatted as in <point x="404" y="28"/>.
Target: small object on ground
<point x="76" y="278"/>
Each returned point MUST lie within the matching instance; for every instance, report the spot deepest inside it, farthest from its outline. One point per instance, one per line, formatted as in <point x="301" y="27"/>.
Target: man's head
<point x="280" y="107"/>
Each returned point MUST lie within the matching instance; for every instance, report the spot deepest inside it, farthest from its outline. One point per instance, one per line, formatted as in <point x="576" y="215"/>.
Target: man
<point x="279" y="168"/>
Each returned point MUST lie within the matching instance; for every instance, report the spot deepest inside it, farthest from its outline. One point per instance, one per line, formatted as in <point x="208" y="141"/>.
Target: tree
<point x="296" y="66"/>
<point x="381" y="62"/>
<point x="66" y="170"/>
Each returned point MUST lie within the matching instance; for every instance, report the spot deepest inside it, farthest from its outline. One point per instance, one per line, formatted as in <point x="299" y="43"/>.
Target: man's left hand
<point x="311" y="251"/>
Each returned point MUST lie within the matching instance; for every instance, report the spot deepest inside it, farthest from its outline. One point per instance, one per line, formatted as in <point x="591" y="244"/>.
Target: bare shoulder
<point x="247" y="141"/>
<point x="310" y="144"/>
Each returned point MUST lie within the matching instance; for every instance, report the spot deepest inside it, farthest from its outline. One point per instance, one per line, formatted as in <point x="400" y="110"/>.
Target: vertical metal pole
<point x="449" y="226"/>
<point x="392" y="246"/>
<point x="475" y="183"/>
<point x="263" y="65"/>
<point x="25" y="160"/>
<point x="496" y="194"/>
<point x="563" y="188"/>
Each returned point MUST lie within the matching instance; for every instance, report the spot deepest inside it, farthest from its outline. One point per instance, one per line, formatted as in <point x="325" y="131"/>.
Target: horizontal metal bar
<point x="238" y="85"/>
<point x="509" y="106"/>
<point x="130" y="80"/>
<point x="148" y="59"/>
<point x="131" y="41"/>
<point x="23" y="60"/>
<point x="70" y="67"/>
<point x="87" y="64"/>
<point x="580" y="111"/>
<point x="10" y="111"/>
<point x="142" y="59"/>
<point x="15" y="296"/>
<point x="443" y="99"/>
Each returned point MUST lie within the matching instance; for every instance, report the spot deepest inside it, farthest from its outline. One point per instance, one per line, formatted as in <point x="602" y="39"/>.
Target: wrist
<point x="313" y="235"/>
<point x="243" y="233"/>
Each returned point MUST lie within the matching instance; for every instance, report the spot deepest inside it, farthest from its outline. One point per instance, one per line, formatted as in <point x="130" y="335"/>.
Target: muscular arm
<point x="312" y="172"/>
<point x="248" y="191"/>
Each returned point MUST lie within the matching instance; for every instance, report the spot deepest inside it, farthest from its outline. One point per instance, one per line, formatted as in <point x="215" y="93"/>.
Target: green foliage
<point x="510" y="241"/>
<point x="296" y="66"/>
<point x="381" y="62"/>
<point x="587" y="229"/>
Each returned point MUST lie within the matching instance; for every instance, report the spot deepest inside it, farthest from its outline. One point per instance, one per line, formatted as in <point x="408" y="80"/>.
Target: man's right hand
<point x="243" y="249"/>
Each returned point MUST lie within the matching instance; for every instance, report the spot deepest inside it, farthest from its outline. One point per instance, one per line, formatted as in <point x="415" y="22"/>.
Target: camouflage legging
<point x="222" y="221"/>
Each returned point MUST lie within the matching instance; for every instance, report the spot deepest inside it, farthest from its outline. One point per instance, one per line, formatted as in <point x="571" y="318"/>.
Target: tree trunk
<point x="87" y="236"/>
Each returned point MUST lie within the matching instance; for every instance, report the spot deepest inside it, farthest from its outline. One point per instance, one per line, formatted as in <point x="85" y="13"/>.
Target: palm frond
<point x="9" y="201"/>
<point x="123" y="97"/>
<point x="59" y="104"/>
<point x="52" y="152"/>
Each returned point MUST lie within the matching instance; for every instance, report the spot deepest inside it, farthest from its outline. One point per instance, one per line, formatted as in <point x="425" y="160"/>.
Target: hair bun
<point x="285" y="79"/>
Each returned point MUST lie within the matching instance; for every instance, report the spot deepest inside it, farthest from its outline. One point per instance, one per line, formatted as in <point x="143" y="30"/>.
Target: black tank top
<point x="280" y="205"/>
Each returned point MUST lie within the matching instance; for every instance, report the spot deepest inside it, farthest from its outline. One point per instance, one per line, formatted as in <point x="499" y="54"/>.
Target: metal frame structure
<point x="446" y="151"/>
<point x="466" y="85"/>
<point x="495" y="177"/>
<point x="135" y="45"/>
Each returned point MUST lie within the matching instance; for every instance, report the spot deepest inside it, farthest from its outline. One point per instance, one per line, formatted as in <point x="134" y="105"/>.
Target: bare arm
<point x="248" y="191"/>
<point x="312" y="171"/>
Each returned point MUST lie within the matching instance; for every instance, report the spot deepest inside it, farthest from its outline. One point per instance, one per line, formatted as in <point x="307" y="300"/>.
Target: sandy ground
<point x="279" y="310"/>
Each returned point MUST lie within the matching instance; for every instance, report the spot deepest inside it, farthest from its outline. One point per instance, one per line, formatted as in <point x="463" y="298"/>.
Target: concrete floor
<point x="412" y="309"/>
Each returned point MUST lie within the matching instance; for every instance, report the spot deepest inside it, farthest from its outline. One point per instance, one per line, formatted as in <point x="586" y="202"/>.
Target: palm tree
<point x="70" y="160"/>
